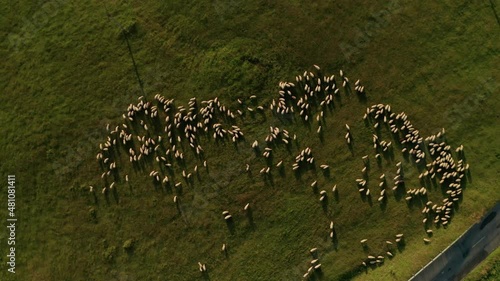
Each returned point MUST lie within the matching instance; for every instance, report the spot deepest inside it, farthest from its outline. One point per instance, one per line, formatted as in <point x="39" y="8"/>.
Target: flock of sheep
<point x="314" y="269"/>
<point x="439" y="167"/>
<point x="177" y="124"/>
<point x="156" y="136"/>
<point x="312" y="93"/>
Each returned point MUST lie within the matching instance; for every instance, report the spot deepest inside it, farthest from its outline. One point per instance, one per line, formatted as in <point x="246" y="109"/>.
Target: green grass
<point x="73" y="74"/>
<point x="488" y="269"/>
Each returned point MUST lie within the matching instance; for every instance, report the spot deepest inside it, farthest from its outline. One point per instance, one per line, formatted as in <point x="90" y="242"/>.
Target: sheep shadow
<point x="231" y="226"/>
<point x="401" y="245"/>
<point x="249" y="215"/>
<point x="468" y="176"/>
<point x="130" y="189"/>
<point x="95" y="198"/>
<point x="362" y="97"/>
<point x="198" y="176"/>
<point x="106" y="197"/>
<point x="115" y="196"/>
<point x="400" y="192"/>
<point x="366" y="248"/>
<point x="315" y="189"/>
<point x="324" y="204"/>
<point x="179" y="189"/>
<point x="335" y="241"/>
<point x="383" y="204"/>
<point x="281" y="171"/>
<point x="297" y="174"/>
<point x="389" y="155"/>
<point x="205" y="275"/>
<point x="269" y="179"/>
<point x="336" y="195"/>
<point x="326" y="173"/>
<point x="350" y="147"/>
<point x="317" y="275"/>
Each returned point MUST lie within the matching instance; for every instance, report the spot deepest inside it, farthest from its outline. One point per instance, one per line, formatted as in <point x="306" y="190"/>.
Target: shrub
<point x="128" y="245"/>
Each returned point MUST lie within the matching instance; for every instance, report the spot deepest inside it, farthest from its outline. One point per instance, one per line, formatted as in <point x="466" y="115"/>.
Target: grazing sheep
<point x="202" y="267"/>
<point x="255" y="144"/>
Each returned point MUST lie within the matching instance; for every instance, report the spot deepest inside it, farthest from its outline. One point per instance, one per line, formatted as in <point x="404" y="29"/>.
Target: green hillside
<point x="67" y="72"/>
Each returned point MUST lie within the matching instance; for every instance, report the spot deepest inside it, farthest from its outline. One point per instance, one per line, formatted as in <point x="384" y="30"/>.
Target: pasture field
<point x="67" y="72"/>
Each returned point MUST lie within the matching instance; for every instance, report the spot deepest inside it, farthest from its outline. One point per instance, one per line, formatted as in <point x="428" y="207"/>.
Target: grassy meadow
<point x="66" y="73"/>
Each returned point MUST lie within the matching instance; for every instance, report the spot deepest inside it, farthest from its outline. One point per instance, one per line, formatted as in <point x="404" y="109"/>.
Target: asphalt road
<point x="466" y="252"/>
